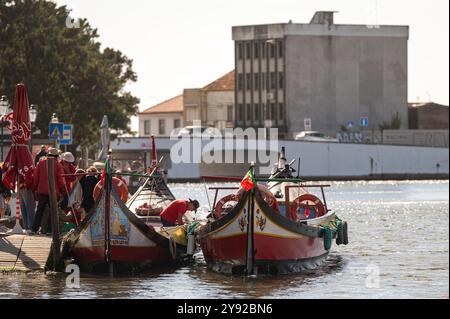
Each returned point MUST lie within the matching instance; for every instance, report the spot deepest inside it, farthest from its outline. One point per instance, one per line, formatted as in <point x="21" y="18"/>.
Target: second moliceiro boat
<point x="275" y="229"/>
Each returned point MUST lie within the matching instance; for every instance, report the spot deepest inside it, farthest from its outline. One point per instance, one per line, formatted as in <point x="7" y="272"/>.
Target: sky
<point x="178" y="44"/>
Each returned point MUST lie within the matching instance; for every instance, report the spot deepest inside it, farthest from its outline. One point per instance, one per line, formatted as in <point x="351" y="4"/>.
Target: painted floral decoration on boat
<point x="243" y="221"/>
<point x="260" y="220"/>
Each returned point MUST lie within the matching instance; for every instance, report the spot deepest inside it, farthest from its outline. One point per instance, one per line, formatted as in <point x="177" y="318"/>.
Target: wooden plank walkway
<point x="21" y="252"/>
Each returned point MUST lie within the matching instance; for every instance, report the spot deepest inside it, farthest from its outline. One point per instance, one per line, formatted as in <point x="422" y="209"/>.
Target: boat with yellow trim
<point x="277" y="228"/>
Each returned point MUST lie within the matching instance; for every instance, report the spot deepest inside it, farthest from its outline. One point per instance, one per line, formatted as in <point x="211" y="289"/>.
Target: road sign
<point x="364" y="121"/>
<point x="56" y="131"/>
<point x="350" y="124"/>
<point x="67" y="135"/>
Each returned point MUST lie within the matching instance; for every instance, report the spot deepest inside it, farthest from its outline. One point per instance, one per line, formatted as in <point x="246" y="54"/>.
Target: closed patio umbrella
<point x="18" y="162"/>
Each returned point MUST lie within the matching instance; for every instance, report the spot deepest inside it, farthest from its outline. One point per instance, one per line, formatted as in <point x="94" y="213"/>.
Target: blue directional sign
<point x="350" y="124"/>
<point x="364" y="121"/>
<point x="67" y="134"/>
<point x="56" y="131"/>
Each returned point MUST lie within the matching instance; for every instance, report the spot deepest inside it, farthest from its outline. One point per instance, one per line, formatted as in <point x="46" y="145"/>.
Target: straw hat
<point x="52" y="152"/>
<point x="68" y="157"/>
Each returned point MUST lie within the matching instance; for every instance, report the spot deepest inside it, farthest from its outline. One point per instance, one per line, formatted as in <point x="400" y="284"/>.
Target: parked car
<point x="315" y="136"/>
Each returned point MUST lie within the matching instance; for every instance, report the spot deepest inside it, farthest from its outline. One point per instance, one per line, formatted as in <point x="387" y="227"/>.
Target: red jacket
<point x="68" y="168"/>
<point x="40" y="180"/>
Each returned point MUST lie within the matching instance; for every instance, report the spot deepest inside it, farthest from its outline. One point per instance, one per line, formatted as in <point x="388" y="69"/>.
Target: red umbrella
<point x="19" y="163"/>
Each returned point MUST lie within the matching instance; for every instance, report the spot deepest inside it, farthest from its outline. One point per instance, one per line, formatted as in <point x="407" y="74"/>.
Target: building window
<point x="263" y="80"/>
<point x="256" y="50"/>
<point x="248" y="48"/>
<point x="249" y="112"/>
<point x="273" y="111"/>
<point x="272" y="80"/>
<point x="263" y="51"/>
<point x="239" y="82"/>
<point x="240" y="112"/>
<point x="256" y="112"/>
<point x="240" y="49"/>
<point x="248" y="81"/>
<point x="147" y="127"/>
<point x="192" y="113"/>
<point x="162" y="126"/>
<point x="280" y="49"/>
<point x="256" y="81"/>
<point x="176" y="123"/>
<point x="229" y="113"/>
<point x="281" y="111"/>
<point x="272" y="50"/>
<point x="280" y="80"/>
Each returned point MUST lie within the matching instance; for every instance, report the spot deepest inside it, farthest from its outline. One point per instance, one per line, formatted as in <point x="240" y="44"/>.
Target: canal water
<point x="399" y="248"/>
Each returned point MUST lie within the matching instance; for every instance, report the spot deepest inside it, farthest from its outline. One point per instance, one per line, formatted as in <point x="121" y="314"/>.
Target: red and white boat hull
<point x="279" y="244"/>
<point x="132" y="243"/>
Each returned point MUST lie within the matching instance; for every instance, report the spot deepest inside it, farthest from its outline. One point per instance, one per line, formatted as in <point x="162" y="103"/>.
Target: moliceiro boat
<point x="277" y="228"/>
<point x="113" y="238"/>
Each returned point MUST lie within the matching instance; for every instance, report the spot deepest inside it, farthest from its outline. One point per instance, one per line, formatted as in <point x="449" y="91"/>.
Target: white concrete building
<point x="162" y="118"/>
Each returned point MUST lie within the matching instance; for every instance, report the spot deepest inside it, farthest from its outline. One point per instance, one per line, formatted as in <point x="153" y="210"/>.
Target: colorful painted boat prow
<point x="111" y="237"/>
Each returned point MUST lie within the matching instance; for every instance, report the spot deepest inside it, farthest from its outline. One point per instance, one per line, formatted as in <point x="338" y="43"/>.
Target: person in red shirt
<point x="40" y="186"/>
<point x="173" y="214"/>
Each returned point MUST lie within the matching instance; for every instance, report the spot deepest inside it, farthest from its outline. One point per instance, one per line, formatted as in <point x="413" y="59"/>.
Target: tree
<point x="64" y="68"/>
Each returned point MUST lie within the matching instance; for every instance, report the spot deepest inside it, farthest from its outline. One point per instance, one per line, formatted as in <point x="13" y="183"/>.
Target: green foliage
<point x="395" y="123"/>
<point x="65" y="69"/>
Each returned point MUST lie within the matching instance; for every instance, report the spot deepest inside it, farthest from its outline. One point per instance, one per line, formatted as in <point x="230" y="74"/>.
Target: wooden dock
<point x="24" y="253"/>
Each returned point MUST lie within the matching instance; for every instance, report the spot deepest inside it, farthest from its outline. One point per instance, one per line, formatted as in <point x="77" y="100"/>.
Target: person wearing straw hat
<point x="173" y="214"/>
<point x="67" y="162"/>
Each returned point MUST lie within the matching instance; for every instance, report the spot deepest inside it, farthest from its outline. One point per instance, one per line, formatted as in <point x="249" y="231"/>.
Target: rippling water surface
<point x="399" y="242"/>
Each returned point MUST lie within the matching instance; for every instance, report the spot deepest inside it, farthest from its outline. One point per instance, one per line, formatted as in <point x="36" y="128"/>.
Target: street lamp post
<point x="55" y="119"/>
<point x="4" y="110"/>
<point x="33" y="116"/>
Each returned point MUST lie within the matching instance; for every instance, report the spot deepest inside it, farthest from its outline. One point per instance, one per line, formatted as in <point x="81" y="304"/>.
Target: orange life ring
<point x="221" y="203"/>
<point x="267" y="195"/>
<point x="119" y="185"/>
<point x="300" y="202"/>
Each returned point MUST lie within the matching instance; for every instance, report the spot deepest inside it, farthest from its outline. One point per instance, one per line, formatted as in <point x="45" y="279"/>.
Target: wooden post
<point x="249" y="261"/>
<point x="250" y="268"/>
<point x="56" y="244"/>
<point x="107" y="185"/>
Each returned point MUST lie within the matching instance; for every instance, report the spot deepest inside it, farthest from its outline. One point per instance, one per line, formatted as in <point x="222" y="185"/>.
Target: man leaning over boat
<point x="173" y="214"/>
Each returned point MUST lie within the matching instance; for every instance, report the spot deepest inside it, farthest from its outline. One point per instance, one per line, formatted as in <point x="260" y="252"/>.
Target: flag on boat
<point x="104" y="171"/>
<point x="247" y="182"/>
